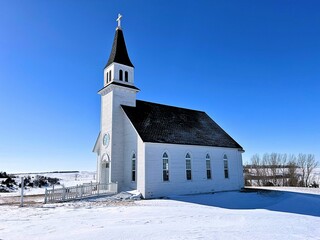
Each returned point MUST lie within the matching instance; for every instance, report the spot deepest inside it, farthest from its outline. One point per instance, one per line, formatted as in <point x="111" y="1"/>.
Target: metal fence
<point x="80" y="191"/>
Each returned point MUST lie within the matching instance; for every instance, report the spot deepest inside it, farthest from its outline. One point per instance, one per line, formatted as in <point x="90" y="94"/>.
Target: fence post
<point x="45" y="198"/>
<point x="53" y="193"/>
<point x="22" y="187"/>
<point x="63" y="193"/>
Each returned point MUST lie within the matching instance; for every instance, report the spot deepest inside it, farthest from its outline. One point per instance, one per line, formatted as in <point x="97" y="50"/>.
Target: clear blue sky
<point x="253" y="66"/>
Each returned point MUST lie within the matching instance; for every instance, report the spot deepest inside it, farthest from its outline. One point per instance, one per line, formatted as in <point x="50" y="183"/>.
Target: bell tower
<point x="119" y="67"/>
<point x="118" y="89"/>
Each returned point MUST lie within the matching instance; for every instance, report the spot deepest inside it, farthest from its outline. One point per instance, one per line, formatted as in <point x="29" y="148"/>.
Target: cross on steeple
<point x="119" y="52"/>
<point x="119" y="20"/>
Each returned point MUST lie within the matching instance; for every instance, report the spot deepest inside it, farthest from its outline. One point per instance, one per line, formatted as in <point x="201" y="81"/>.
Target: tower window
<point x="120" y="75"/>
<point x="126" y="77"/>
<point x="208" y="166"/>
<point x="133" y="168"/>
<point x="107" y="77"/>
<point x="225" y="166"/>
<point x="188" y="167"/>
<point x="110" y="76"/>
<point x="165" y="167"/>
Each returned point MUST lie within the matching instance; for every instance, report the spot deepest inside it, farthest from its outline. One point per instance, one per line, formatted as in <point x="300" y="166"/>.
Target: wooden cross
<point x="119" y="20"/>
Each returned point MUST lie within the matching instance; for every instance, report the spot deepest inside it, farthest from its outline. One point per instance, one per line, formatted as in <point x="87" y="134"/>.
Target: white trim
<point x="191" y="145"/>
<point x="95" y="147"/>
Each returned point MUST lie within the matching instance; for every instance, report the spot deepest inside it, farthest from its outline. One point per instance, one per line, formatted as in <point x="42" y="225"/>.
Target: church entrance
<point x="105" y="170"/>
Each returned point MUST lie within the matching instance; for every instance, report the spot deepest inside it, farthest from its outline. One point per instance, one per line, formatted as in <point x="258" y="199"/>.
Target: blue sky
<point x="253" y="66"/>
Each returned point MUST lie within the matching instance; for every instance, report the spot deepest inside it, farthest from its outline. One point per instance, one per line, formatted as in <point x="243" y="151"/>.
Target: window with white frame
<point x="165" y="167"/>
<point x="208" y="166"/>
<point x="126" y="76"/>
<point x="133" y="167"/>
<point x="225" y="166"/>
<point x="188" y="167"/>
<point x="120" y="75"/>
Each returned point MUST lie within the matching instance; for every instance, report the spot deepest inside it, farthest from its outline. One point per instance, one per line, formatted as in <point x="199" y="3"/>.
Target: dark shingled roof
<point x="166" y="124"/>
<point x="119" y="52"/>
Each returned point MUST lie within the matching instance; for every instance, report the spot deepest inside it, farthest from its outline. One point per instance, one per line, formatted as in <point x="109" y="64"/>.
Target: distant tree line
<point x="37" y="181"/>
<point x="277" y="169"/>
<point x="5" y="175"/>
<point x="40" y="181"/>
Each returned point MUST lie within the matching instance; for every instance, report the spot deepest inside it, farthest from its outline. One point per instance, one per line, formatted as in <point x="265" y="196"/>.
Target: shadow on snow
<point x="288" y="202"/>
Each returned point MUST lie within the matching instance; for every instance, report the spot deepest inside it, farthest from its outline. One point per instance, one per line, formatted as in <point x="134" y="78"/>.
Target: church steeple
<point x="118" y="90"/>
<point x="119" y="52"/>
<point x="119" y="67"/>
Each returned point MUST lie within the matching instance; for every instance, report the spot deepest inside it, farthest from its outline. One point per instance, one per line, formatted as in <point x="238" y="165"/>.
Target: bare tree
<point x="292" y="171"/>
<point x="283" y="168"/>
<point x="311" y="164"/>
<point x="302" y="163"/>
<point x="256" y="167"/>
<point x="274" y="164"/>
<point x="265" y="169"/>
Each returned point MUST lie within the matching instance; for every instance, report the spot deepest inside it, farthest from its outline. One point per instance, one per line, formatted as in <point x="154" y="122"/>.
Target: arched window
<point x="120" y="75"/>
<point x="133" y="167"/>
<point x="208" y="166"/>
<point x="188" y="167"/>
<point x="110" y="76"/>
<point x="105" y="159"/>
<point x="126" y="77"/>
<point x="225" y="166"/>
<point x="165" y="167"/>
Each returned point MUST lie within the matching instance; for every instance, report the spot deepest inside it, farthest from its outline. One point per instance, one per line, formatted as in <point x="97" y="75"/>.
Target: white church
<point x="157" y="149"/>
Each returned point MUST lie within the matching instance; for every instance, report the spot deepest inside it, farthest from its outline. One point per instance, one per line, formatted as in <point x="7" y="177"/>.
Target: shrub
<point x="9" y="182"/>
<point x="314" y="185"/>
<point x="3" y="175"/>
<point x="269" y="184"/>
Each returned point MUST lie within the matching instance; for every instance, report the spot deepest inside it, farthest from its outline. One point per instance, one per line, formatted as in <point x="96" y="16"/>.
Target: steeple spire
<point x="119" y="52"/>
<point x="119" y="69"/>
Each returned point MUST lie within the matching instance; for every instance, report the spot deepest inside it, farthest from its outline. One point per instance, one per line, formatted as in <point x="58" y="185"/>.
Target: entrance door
<point x="105" y="170"/>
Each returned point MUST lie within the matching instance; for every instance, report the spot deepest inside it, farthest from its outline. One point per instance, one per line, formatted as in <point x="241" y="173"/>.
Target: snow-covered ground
<point x="291" y="213"/>
<point x="228" y="215"/>
<point x="290" y="189"/>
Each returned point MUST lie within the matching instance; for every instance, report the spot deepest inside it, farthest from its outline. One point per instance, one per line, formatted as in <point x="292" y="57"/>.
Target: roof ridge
<point x="161" y="104"/>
